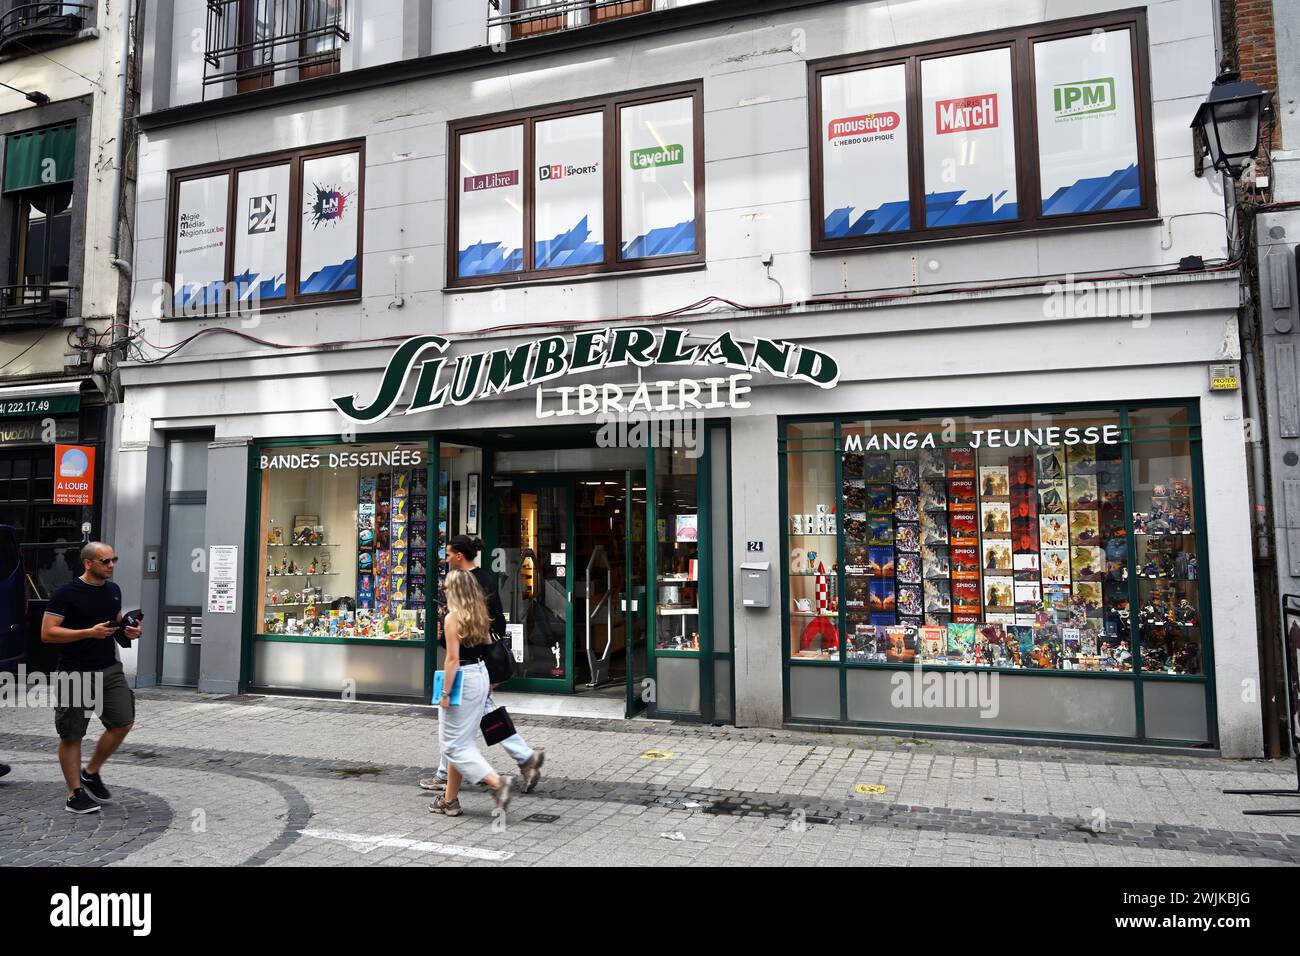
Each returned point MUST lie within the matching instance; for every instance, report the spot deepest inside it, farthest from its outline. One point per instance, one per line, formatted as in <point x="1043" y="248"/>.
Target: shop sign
<point x="439" y="383"/>
<point x="39" y="405"/>
<point x="74" y="474"/>
<point x="990" y="438"/>
<point x="397" y="458"/>
<point x="223" y="572"/>
<point x="34" y="432"/>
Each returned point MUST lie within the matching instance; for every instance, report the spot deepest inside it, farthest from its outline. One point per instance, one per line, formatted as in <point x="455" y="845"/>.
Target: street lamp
<point x="1228" y="123"/>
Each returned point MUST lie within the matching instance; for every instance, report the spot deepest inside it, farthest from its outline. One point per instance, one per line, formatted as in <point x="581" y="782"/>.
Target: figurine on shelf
<point x="312" y="569"/>
<point x="1191" y="568"/>
<point x="324" y="564"/>
<point x="1149" y="570"/>
<point x="284" y="595"/>
<point x="1186" y="615"/>
<point x="284" y="566"/>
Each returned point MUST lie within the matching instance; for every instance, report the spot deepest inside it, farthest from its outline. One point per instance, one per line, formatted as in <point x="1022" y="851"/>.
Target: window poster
<point x="1087" y="123"/>
<point x="969" y="139"/>
<point x="330" y="213"/>
<point x="657" y="153"/>
<point x="490" y="226"/>
<point x="200" y="241"/>
<point x="864" y="152"/>
<point x="262" y="233"/>
<point x="569" y="200"/>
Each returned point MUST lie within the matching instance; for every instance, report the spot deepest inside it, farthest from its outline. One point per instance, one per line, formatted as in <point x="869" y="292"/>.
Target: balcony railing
<point x="36" y="24"/>
<point x="249" y="41"/>
<point x="34" y="304"/>
<point x="524" y="18"/>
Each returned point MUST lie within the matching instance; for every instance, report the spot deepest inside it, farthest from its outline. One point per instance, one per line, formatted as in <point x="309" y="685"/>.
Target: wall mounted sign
<point x="33" y="432"/>
<point x="223" y="571"/>
<point x="39" y="405"/>
<point x="484" y="374"/>
<point x="74" y="474"/>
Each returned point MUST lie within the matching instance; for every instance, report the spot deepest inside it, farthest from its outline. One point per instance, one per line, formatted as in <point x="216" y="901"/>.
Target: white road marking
<point x="368" y="843"/>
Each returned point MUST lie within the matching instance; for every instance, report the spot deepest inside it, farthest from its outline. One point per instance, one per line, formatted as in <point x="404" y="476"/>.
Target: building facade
<point x="784" y="355"/>
<point x="65" y="222"/>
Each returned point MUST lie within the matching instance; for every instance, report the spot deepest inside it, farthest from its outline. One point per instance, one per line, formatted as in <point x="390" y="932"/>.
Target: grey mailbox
<point x="756" y="584"/>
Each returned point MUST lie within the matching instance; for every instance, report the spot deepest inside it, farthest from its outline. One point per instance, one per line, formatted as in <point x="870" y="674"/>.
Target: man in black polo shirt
<point x="83" y="619"/>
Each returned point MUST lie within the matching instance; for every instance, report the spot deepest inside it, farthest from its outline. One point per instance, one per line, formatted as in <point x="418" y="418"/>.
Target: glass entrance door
<point x="535" y="538"/>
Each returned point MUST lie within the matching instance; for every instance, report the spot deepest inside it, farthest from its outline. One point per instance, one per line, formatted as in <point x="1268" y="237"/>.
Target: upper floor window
<point x="250" y="41"/>
<point x="39" y="169"/>
<point x="281" y="229"/>
<point x="1023" y="129"/>
<point x="526" y="18"/>
<point x="25" y="26"/>
<point x="596" y="186"/>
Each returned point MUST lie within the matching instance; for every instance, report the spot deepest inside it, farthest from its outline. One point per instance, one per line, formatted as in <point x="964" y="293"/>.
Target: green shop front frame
<point x="369" y="652"/>
<point x="1131" y="706"/>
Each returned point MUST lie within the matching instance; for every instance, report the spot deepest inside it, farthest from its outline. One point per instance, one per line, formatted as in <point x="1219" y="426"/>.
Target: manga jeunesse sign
<point x="440" y="382"/>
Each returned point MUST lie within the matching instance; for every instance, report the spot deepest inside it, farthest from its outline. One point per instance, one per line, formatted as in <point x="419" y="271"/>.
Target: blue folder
<point x="457" y="687"/>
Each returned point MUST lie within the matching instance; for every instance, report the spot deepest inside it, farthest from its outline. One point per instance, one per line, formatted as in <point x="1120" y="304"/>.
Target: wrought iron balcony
<point x="249" y="41"/>
<point x="525" y="18"/>
<point x="37" y="24"/>
<point x="34" y="304"/>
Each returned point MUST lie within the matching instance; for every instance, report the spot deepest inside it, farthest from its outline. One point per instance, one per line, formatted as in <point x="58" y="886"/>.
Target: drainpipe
<point x="120" y="264"/>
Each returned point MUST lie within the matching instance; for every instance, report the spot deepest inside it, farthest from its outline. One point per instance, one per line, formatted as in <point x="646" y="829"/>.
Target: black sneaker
<point x="4" y="769"/>
<point x="96" y="787"/>
<point x="80" y="802"/>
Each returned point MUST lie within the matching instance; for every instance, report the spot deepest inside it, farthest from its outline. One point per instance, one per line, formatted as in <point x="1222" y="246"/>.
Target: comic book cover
<point x="934" y="642"/>
<point x="907" y="537"/>
<point x="964" y="561"/>
<point x="1053" y="531"/>
<point x="961" y="462"/>
<point x="961" y="493"/>
<point x="961" y="642"/>
<point x="906" y="476"/>
<point x="907" y="569"/>
<point x="997" y="554"/>
<point x="995" y="481"/>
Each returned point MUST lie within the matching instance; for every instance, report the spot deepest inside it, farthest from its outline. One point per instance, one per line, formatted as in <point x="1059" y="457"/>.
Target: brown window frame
<point x="1020" y="41"/>
<point x="293" y="254"/>
<point x="611" y="150"/>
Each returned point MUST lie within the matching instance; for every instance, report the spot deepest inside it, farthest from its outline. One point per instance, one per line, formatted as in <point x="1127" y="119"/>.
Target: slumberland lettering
<point x="440" y="381"/>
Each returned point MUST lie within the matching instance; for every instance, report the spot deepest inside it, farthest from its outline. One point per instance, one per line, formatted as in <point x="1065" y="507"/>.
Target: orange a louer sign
<point x="74" y="474"/>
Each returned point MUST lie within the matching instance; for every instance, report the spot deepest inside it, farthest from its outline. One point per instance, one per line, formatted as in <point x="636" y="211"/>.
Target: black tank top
<point x="471" y="654"/>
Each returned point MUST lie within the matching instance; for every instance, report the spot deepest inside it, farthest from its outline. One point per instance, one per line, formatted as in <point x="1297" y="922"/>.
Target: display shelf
<point x="304" y="574"/>
<point x="677" y="611"/>
<point x="335" y="545"/>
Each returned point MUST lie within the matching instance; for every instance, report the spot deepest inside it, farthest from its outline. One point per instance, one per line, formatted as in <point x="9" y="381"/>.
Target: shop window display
<point x="813" y="515"/>
<point x="1164" y="532"/>
<point x="677" y="575"/>
<point x="345" y="541"/>
<point x="998" y="541"/>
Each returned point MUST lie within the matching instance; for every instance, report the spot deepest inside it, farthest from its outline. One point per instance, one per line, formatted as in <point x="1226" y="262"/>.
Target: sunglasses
<point x="109" y="561"/>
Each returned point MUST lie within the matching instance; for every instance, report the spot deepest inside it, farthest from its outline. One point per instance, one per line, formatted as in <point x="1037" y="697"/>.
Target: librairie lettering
<point x="989" y="438"/>
<point x="440" y="382"/>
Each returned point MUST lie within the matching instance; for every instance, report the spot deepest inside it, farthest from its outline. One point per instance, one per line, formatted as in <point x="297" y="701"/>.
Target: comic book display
<point x="999" y="546"/>
<point x="344" y="551"/>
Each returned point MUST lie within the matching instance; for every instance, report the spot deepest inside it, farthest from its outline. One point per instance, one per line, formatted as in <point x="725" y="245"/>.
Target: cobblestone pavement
<point x="213" y="780"/>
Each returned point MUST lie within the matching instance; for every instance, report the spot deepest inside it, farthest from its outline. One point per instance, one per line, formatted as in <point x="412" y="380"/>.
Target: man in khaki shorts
<point x="83" y="618"/>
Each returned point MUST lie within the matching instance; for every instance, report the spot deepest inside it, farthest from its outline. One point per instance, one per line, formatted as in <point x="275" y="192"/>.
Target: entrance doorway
<point x="570" y="560"/>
